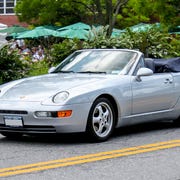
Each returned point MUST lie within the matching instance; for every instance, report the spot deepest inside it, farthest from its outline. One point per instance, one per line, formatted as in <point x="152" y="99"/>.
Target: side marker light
<point x="66" y="113"/>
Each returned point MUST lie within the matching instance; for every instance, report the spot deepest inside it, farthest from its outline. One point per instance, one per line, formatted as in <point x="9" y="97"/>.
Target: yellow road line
<point x="88" y="158"/>
<point x="91" y="155"/>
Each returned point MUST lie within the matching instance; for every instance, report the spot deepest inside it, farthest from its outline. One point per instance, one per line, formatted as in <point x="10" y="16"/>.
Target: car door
<point x="153" y="93"/>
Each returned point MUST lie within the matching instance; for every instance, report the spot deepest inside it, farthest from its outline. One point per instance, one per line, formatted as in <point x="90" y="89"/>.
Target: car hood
<point x="41" y="87"/>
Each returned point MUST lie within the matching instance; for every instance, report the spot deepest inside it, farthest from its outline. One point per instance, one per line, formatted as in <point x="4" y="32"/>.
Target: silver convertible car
<point x="92" y="91"/>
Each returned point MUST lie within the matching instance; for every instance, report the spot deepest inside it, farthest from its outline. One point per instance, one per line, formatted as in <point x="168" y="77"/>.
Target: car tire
<point x="101" y="120"/>
<point x="177" y="122"/>
<point x="12" y="135"/>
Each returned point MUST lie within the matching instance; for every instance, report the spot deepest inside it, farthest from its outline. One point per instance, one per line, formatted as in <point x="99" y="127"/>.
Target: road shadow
<point x="145" y="128"/>
<point x="72" y="138"/>
<point x="81" y="138"/>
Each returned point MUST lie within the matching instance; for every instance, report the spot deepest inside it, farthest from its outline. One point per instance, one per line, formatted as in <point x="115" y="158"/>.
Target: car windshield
<point x="96" y="61"/>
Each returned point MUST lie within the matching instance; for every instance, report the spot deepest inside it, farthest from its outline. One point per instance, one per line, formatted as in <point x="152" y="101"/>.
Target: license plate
<point x="15" y="121"/>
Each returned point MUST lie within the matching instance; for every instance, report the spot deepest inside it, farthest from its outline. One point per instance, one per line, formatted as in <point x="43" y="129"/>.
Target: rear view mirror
<point x="51" y="70"/>
<point x="143" y="72"/>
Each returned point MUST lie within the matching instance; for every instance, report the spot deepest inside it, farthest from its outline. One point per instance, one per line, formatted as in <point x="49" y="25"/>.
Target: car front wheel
<point x="101" y="120"/>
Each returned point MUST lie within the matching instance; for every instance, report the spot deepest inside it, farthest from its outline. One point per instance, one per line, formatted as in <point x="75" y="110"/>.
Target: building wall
<point x="7" y="7"/>
<point x="7" y="15"/>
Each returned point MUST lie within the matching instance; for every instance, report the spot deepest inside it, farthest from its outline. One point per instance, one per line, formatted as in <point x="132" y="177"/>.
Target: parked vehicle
<point x="92" y="91"/>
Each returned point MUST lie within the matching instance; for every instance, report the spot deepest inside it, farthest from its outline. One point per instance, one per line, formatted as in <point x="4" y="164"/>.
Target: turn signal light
<point x="65" y="113"/>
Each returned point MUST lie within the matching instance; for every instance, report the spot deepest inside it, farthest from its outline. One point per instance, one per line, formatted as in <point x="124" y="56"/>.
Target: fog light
<point x="43" y="114"/>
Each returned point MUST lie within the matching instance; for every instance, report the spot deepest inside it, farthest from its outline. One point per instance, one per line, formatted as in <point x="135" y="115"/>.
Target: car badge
<point x="22" y="97"/>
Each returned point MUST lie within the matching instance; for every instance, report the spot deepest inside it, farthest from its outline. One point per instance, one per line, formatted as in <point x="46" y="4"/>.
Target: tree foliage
<point x="48" y="12"/>
<point x="165" y="11"/>
<point x="119" y="13"/>
<point x="62" y="50"/>
<point x="152" y="42"/>
<point x="67" y="11"/>
<point x="11" y="66"/>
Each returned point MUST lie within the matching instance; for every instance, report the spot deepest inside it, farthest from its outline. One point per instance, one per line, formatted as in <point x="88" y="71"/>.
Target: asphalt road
<point x="140" y="155"/>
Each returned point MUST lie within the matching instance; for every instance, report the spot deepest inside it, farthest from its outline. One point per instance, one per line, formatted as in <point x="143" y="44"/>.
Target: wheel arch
<point x="114" y="104"/>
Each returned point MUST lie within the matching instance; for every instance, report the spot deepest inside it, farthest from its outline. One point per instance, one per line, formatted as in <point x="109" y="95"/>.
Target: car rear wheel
<point x="101" y="120"/>
<point x="177" y="122"/>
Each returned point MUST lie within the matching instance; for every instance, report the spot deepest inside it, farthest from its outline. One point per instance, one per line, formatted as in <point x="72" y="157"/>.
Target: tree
<point x="107" y="11"/>
<point x="165" y="11"/>
<point x="48" y="12"/>
<point x="121" y="13"/>
<point x="101" y="12"/>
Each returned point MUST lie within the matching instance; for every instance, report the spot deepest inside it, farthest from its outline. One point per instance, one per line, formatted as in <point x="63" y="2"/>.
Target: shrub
<point x="60" y="51"/>
<point x="152" y="42"/>
<point x="38" y="68"/>
<point x="11" y="67"/>
<point x="98" y="38"/>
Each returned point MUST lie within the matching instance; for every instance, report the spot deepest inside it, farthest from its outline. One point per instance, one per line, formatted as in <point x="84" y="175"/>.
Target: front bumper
<point x="26" y="129"/>
<point x="48" y="125"/>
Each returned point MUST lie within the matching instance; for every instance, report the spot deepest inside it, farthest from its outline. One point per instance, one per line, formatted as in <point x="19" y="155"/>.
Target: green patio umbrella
<point x="142" y="27"/>
<point x="78" y="30"/>
<point x="74" y="33"/>
<point x="12" y="36"/>
<point x="38" y="32"/>
<point x="53" y="27"/>
<point x="13" y="29"/>
<point x="117" y="32"/>
<point x="76" y="26"/>
<point x="175" y="30"/>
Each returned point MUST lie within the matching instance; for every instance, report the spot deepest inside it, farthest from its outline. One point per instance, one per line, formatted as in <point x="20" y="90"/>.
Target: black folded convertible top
<point x="167" y="65"/>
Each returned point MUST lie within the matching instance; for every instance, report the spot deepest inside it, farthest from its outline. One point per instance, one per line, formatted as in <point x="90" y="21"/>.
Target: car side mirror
<point x="143" y="72"/>
<point x="51" y="70"/>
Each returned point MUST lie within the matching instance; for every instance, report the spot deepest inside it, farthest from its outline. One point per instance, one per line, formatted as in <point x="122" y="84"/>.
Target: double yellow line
<point x="4" y="172"/>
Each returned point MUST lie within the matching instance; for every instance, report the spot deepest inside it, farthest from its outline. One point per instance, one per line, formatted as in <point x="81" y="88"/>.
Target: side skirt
<point x="147" y="117"/>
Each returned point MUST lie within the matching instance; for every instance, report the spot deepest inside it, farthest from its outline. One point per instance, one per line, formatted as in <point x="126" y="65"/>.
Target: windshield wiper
<point x="63" y="71"/>
<point x="93" y="72"/>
